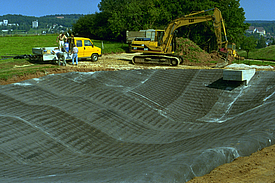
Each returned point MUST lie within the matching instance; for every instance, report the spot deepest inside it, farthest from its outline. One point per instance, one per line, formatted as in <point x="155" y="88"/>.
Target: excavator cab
<point x="159" y="35"/>
<point x="232" y="49"/>
<point x="152" y="38"/>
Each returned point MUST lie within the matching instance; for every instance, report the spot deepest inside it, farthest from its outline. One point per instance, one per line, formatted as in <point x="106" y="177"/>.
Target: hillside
<point x="45" y="22"/>
<point x="267" y="53"/>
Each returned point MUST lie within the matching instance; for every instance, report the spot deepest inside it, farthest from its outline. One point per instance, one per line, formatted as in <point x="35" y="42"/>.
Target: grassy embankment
<point x="267" y="55"/>
<point x="13" y="46"/>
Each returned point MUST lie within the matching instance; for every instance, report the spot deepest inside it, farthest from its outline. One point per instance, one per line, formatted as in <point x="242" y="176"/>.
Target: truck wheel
<point x="94" y="57"/>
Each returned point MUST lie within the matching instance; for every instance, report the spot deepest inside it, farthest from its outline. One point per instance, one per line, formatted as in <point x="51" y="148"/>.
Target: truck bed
<point x="45" y="53"/>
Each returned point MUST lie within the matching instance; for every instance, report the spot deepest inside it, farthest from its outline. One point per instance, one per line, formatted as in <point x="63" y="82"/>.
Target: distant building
<point x="13" y="25"/>
<point x="5" y="22"/>
<point x="35" y="24"/>
<point x="260" y="30"/>
<point x="251" y="30"/>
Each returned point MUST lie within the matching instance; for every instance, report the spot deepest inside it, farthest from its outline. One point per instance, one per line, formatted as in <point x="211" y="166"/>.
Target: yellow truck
<point x="86" y="50"/>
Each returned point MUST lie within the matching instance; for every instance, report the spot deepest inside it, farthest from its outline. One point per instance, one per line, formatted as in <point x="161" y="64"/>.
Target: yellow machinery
<point x="231" y="48"/>
<point x="161" y="50"/>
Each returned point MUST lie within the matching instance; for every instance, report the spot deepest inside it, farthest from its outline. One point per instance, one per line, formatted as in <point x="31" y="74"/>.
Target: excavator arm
<point x="191" y="19"/>
<point x="160" y="51"/>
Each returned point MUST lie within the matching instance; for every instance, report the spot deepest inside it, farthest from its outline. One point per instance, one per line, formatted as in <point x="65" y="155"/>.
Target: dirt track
<point x="259" y="167"/>
<point x="111" y="62"/>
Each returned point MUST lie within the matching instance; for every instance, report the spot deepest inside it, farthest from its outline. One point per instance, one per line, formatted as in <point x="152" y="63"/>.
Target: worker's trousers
<point x="61" y="45"/>
<point x="75" y="56"/>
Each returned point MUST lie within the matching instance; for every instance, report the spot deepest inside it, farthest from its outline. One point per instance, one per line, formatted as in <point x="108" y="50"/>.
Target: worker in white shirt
<point x="61" y="38"/>
<point x="75" y="55"/>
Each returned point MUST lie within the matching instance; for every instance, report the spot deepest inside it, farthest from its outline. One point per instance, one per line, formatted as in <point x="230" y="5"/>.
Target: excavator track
<point x="157" y="60"/>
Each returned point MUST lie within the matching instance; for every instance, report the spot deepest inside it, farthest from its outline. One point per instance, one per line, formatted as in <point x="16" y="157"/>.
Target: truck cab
<point x="86" y="48"/>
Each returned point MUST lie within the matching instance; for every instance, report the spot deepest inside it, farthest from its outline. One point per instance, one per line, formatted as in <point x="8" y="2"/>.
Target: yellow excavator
<point x="161" y="50"/>
<point x="232" y="51"/>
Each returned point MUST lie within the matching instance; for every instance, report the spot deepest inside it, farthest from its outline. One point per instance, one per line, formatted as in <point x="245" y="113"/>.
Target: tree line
<point x="116" y="17"/>
<point x="25" y="22"/>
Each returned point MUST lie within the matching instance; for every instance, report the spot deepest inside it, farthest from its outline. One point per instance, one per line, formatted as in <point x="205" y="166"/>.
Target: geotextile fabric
<point x="131" y="126"/>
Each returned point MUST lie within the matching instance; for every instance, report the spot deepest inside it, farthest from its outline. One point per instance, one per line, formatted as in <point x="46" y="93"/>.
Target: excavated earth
<point x="111" y="121"/>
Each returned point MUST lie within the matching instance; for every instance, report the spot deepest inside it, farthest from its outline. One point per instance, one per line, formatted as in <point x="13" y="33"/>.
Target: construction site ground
<point x="259" y="167"/>
<point x="108" y="62"/>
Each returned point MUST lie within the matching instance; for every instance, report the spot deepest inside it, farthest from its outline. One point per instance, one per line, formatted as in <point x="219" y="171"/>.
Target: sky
<point x="258" y="9"/>
<point x="40" y="8"/>
<point x="254" y="9"/>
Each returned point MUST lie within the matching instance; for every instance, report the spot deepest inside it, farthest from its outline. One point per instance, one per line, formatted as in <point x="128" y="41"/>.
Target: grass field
<point x="21" y="45"/>
<point x="12" y="46"/>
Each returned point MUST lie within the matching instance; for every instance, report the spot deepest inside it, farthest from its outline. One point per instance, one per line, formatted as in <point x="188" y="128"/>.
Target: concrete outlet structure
<point x="239" y="75"/>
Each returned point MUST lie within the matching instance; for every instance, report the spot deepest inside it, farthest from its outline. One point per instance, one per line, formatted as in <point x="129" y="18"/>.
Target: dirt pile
<point x="195" y="56"/>
<point x="258" y="167"/>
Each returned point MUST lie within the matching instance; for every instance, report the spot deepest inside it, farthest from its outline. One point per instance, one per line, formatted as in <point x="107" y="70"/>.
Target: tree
<point x="84" y="24"/>
<point x="26" y="27"/>
<point x="272" y="41"/>
<point x="94" y="26"/>
<point x="122" y="15"/>
<point x="203" y="34"/>
<point x="234" y="18"/>
<point x="248" y="43"/>
<point x="261" y="42"/>
<point x="131" y="15"/>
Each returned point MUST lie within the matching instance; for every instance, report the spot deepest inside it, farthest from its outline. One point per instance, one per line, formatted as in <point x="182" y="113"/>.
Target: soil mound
<point x="194" y="55"/>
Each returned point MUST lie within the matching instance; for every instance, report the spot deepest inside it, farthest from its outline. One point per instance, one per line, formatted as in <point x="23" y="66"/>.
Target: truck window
<point x="79" y="43"/>
<point x="87" y="43"/>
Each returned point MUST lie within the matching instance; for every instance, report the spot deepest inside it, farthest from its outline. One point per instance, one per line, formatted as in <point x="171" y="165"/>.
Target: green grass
<point x="111" y="47"/>
<point x="255" y="62"/>
<point x="21" y="45"/>
<point x="267" y="53"/>
<point x="255" y="56"/>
